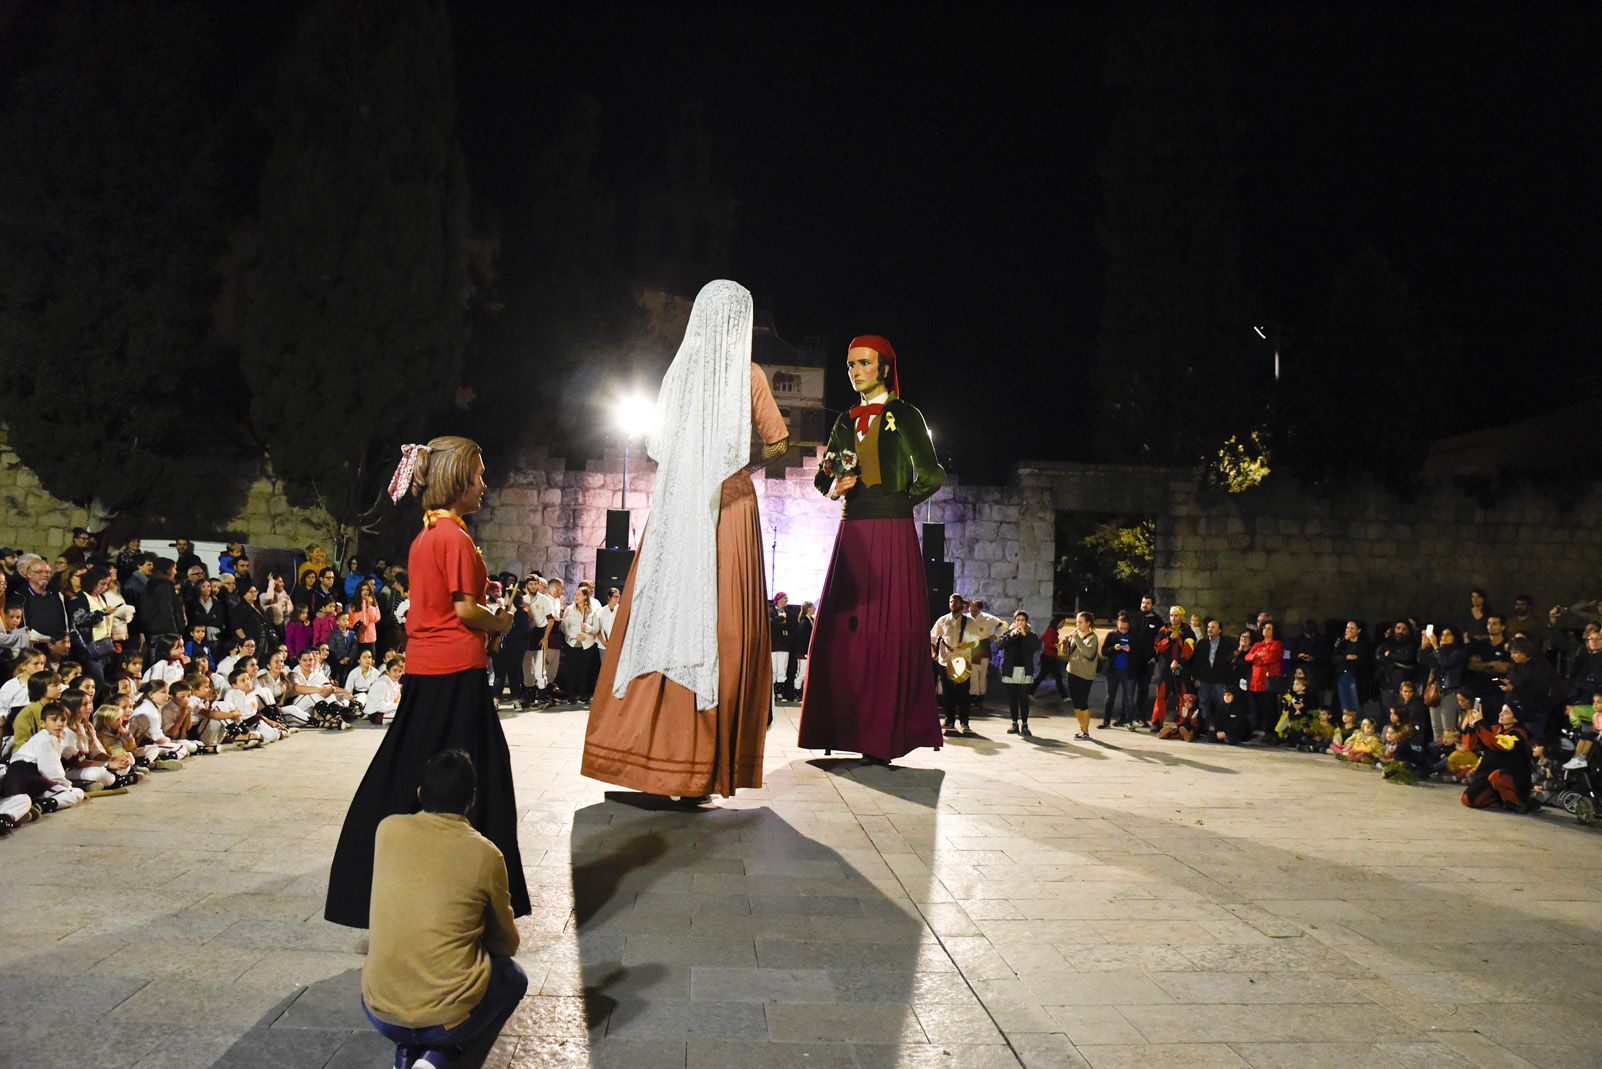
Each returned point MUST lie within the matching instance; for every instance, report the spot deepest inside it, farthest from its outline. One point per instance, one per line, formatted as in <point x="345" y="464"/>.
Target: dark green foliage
<point x="109" y="233"/>
<point x="1174" y="352"/>
<point x="354" y="334"/>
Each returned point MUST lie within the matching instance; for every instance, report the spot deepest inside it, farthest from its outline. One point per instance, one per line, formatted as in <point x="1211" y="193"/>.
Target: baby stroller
<point x="1576" y="787"/>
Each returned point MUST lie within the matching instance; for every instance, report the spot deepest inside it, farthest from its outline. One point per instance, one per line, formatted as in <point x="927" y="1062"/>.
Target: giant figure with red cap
<point x="868" y="687"/>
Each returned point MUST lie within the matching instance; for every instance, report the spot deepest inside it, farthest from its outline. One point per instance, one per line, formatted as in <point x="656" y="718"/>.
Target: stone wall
<point x="1362" y="551"/>
<point x="34" y="520"/>
<point x="546" y="515"/>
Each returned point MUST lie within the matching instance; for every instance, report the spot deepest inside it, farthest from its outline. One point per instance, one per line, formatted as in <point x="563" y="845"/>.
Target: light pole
<point x="632" y="414"/>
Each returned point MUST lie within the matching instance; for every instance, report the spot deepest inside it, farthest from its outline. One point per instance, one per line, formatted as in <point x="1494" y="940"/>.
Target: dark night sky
<point x="933" y="177"/>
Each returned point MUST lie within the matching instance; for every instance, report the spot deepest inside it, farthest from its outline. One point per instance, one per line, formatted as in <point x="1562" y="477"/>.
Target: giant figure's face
<point x="862" y="364"/>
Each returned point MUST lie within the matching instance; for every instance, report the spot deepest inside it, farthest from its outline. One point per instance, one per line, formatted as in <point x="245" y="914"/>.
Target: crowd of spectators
<point x="1506" y="703"/>
<point x="122" y="663"/>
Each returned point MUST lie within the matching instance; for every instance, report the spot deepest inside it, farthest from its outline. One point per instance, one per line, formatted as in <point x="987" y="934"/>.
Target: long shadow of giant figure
<point x="739" y="925"/>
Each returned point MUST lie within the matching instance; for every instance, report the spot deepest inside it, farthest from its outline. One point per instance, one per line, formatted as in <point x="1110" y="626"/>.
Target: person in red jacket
<point x="1266" y="658"/>
<point x="1172" y="651"/>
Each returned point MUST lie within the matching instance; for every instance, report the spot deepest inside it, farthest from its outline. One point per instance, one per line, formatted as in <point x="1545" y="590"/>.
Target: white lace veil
<point x="702" y="436"/>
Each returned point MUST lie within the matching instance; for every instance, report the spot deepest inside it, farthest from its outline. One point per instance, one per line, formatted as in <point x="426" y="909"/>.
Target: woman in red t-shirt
<point x="445" y="698"/>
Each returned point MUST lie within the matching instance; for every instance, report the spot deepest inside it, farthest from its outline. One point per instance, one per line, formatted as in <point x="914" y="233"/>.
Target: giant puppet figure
<point x="869" y="689"/>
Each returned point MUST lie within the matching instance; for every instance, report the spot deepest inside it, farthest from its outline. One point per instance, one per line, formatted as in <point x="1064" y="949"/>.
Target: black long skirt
<point x="436" y="713"/>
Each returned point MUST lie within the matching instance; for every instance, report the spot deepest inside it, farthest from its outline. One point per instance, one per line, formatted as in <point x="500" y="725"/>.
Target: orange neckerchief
<point x="433" y="516"/>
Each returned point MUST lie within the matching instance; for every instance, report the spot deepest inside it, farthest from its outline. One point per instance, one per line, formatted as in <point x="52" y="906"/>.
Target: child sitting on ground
<point x="171" y="668"/>
<point x="14" y="695"/>
<point x="81" y="753"/>
<point x="151" y="745"/>
<point x="1232" y="725"/>
<point x="316" y="700"/>
<point x="43" y="751"/>
<point x="1348" y="728"/>
<point x="1587" y="720"/>
<point x="1322" y="733"/>
<point x="1296" y="715"/>
<point x="117" y="743"/>
<point x="361" y="679"/>
<point x="1363" y="746"/>
<point x="42" y="687"/>
<point x="384" y="696"/>
<point x="242" y="698"/>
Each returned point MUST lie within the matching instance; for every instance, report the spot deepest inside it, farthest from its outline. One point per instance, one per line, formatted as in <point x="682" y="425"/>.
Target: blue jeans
<point x="469" y="1042"/>
<point x="1346" y="688"/>
<point x="1209" y="700"/>
<point x="1120" y="683"/>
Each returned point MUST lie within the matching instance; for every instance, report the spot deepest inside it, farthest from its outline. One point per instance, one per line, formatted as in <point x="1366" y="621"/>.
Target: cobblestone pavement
<point x="1005" y="901"/>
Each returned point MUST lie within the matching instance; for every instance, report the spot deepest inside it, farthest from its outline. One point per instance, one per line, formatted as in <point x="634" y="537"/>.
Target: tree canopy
<point x="109" y="234"/>
<point x="355" y="328"/>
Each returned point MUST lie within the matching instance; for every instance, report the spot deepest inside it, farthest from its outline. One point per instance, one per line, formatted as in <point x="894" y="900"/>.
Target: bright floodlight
<point x="633" y="414"/>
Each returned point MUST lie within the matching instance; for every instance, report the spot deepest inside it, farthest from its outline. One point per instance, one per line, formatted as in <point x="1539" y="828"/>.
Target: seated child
<point x="172" y="666"/>
<point x="316" y="700"/>
<point x="152" y="746"/>
<point x="81" y="753"/>
<point x="1321" y="733"/>
<point x="384" y="696"/>
<point x="1348" y="728"/>
<point x="43" y="751"/>
<point x="1186" y="727"/>
<point x="14" y="695"/>
<point x="117" y="743"/>
<point x="42" y="687"/>
<point x="1363" y="746"/>
<point x="1403" y="742"/>
<point x="361" y="678"/>
<point x="1414" y="712"/>
<point x="1232" y="723"/>
<point x="1296" y="715"/>
<point x="190" y="713"/>
<point x="1587" y="720"/>
<point x="247" y="699"/>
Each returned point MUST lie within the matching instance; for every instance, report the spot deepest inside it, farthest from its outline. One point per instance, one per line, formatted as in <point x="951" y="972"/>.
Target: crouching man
<point x="439" y="980"/>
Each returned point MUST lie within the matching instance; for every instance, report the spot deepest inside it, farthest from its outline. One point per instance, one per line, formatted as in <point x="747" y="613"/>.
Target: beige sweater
<point x="440" y="908"/>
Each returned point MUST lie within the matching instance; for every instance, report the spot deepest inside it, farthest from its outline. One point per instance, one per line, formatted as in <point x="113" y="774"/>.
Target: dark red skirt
<point x="869" y="687"/>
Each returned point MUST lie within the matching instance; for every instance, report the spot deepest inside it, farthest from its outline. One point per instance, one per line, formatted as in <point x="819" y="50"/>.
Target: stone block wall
<point x="546" y="515"/>
<point x="1362" y="551"/>
<point x="34" y="520"/>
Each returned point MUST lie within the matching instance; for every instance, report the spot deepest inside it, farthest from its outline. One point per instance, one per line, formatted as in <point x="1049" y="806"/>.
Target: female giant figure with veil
<point x="681" y="706"/>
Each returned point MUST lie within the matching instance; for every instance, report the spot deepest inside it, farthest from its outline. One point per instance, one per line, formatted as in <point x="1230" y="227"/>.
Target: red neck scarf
<point x="864" y="414"/>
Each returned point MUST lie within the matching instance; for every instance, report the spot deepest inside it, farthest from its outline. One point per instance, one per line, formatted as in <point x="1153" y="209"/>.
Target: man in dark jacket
<point x="161" y="611"/>
<point x="1144" y="652"/>
<point x="1212" y="667"/>
<point x="779" y="632"/>
<point x="800" y="641"/>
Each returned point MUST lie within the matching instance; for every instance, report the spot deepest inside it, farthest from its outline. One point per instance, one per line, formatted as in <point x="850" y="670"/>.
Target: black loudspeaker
<point x="617" y="529"/>
<point x="611" y="569"/>
<point x="941" y="577"/>
<point x="934" y="543"/>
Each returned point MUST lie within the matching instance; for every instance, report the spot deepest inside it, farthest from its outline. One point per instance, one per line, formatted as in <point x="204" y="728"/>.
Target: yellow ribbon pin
<point x="890" y="420"/>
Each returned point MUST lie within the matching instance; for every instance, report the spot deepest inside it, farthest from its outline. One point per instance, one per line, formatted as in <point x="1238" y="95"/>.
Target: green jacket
<point x="909" y="471"/>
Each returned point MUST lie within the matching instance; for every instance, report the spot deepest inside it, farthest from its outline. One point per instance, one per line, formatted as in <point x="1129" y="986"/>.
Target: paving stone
<point x="1153" y="905"/>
